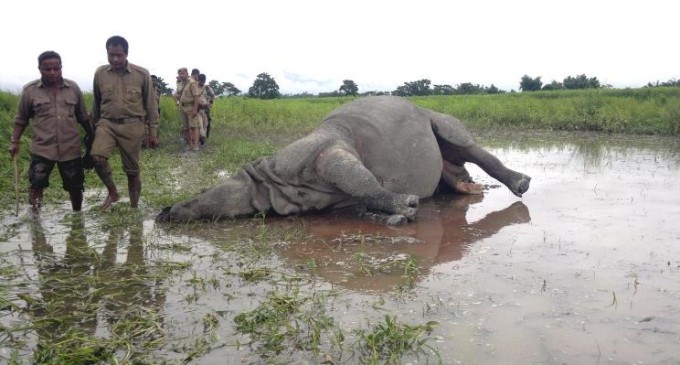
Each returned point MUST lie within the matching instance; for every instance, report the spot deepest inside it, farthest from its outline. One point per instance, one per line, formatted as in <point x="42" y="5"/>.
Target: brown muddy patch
<point x="584" y="269"/>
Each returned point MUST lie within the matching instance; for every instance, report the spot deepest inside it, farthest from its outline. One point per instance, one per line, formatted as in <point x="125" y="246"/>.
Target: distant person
<point x="188" y="96"/>
<point x="182" y="81"/>
<point x="56" y="106"/>
<point x="194" y="73"/>
<point x="157" y="90"/>
<point x="124" y="101"/>
<point x="207" y="98"/>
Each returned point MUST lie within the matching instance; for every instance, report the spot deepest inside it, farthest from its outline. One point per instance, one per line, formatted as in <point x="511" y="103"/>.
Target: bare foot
<point x="110" y="199"/>
<point x="469" y="188"/>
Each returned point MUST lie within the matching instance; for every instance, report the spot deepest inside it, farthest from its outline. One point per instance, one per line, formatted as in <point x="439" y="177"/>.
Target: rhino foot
<point x="396" y="220"/>
<point x="521" y="186"/>
<point x="392" y="220"/>
<point x="407" y="206"/>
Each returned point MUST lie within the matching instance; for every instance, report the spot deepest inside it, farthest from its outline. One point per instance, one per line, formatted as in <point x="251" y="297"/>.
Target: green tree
<point x="332" y="94"/>
<point x="230" y="89"/>
<point x="165" y="88"/>
<point x="552" y="86"/>
<point x="581" y="82"/>
<point x="216" y="87"/>
<point x="669" y="83"/>
<point x="494" y="90"/>
<point x="414" y="88"/>
<point x="349" y="87"/>
<point x="443" y="90"/>
<point x="224" y="88"/>
<point x="264" y="87"/>
<point x="529" y="84"/>
<point x="468" y="88"/>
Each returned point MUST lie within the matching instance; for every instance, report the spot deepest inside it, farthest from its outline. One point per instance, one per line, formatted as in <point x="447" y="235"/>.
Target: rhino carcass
<point x="380" y="154"/>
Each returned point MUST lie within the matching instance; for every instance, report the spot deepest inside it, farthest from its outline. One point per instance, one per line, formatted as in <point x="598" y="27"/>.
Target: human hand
<point x="153" y="142"/>
<point x="13" y="148"/>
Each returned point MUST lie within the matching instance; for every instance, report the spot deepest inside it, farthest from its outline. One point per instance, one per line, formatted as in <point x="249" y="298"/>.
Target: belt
<point x="189" y="103"/>
<point x="124" y="120"/>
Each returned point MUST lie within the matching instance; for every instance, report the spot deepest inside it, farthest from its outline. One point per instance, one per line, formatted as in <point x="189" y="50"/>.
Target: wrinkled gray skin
<point x="379" y="154"/>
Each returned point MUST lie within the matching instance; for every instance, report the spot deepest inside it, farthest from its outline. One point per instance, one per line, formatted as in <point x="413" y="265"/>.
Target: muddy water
<point x="585" y="268"/>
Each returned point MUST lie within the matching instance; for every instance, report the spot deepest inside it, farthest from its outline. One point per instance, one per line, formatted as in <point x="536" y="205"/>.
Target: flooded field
<point x="585" y="269"/>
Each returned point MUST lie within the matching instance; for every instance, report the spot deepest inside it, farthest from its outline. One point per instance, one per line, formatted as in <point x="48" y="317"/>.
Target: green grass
<point x="634" y="111"/>
<point x="245" y="129"/>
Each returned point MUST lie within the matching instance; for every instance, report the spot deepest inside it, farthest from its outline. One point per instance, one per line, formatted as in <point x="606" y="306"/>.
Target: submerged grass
<point x="388" y="341"/>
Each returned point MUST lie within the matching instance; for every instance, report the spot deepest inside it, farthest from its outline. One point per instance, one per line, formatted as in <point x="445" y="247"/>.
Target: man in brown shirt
<point x="188" y="96"/>
<point x="124" y="100"/>
<point x="56" y="107"/>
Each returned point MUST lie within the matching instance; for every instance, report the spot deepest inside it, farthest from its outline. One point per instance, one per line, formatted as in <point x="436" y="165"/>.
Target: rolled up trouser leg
<point x="134" y="189"/>
<point x="73" y="178"/>
<point x="103" y="169"/>
<point x="35" y="197"/>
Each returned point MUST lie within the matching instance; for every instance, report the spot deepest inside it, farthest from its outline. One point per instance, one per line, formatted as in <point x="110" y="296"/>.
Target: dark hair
<point x="195" y="71"/>
<point x="201" y="77"/>
<point x="48" y="54"/>
<point x="117" y="40"/>
<point x="154" y="77"/>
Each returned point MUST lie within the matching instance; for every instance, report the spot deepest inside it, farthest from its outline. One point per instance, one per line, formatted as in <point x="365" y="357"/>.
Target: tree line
<point x="265" y="87"/>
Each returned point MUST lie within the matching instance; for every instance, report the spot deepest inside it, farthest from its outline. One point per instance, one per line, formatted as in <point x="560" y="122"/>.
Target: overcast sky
<point x="312" y="46"/>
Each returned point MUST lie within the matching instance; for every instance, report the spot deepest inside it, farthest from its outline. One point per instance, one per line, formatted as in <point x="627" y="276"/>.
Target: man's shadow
<point x="64" y="287"/>
<point x="83" y="290"/>
<point x="368" y="256"/>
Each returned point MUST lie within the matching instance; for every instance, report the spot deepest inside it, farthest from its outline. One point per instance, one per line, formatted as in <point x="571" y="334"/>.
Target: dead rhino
<point x="380" y="154"/>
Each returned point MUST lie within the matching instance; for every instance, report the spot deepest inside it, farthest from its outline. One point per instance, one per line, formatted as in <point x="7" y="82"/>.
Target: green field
<point x="245" y="129"/>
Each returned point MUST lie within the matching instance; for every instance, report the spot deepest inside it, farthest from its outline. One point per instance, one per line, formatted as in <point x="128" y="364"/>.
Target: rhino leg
<point x="457" y="150"/>
<point x="517" y="182"/>
<point x="343" y="169"/>
<point x="459" y="179"/>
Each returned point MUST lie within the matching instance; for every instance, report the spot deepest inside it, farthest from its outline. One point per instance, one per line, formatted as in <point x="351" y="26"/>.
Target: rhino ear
<point x="164" y="215"/>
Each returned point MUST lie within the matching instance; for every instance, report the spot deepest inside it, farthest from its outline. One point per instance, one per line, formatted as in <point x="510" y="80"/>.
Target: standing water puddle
<point x="584" y="269"/>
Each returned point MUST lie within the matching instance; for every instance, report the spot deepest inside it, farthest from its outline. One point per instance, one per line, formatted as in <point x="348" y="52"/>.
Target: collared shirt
<point x="55" y="119"/>
<point x="158" y="92"/>
<point x="189" y="92"/>
<point x="126" y="94"/>
<point x="208" y="94"/>
<point x="178" y="90"/>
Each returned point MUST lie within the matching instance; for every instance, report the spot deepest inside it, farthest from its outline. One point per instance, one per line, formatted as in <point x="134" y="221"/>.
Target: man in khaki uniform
<point x="182" y="82"/>
<point x="207" y="98"/>
<point x="124" y="100"/>
<point x="56" y="107"/>
<point x="188" y="96"/>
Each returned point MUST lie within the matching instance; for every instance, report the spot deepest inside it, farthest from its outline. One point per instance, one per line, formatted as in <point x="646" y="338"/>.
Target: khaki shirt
<point x="157" y="90"/>
<point x="190" y="92"/>
<point x="208" y="95"/>
<point x="55" y="119"/>
<point x="125" y="95"/>
<point x="179" y="89"/>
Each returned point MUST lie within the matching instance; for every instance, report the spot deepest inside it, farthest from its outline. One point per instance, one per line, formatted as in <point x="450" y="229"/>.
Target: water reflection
<point x="593" y="149"/>
<point x="130" y="293"/>
<point x="63" y="283"/>
<point x="346" y="251"/>
<point x="90" y="291"/>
